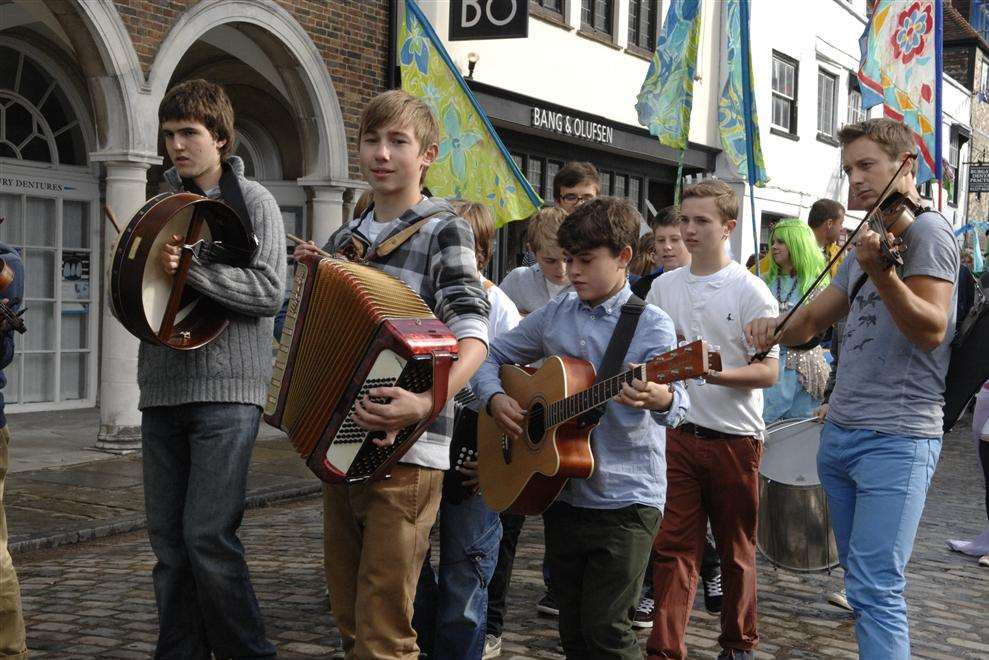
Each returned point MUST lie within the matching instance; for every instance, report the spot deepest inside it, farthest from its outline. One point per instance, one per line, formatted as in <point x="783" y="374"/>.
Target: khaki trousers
<point x="12" y="644"/>
<point x="375" y="537"/>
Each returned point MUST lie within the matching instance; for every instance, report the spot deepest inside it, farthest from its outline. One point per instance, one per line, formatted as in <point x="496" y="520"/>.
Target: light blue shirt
<point x="629" y="445"/>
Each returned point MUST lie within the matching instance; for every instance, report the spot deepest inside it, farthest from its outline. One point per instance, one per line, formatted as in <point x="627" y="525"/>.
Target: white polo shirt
<point x="717" y="308"/>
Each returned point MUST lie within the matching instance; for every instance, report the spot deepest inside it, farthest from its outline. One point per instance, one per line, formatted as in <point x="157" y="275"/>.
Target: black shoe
<point x="547" y="605"/>
<point x="644" y="613"/>
<point x="712" y="593"/>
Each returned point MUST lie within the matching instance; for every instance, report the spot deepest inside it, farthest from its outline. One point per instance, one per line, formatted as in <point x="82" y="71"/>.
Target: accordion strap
<point x="392" y="243"/>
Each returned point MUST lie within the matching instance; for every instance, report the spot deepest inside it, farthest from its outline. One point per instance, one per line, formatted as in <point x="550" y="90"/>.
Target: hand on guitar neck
<point x="509" y="415"/>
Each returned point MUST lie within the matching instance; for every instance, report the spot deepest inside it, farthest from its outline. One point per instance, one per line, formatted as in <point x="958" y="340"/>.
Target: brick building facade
<point x="80" y="84"/>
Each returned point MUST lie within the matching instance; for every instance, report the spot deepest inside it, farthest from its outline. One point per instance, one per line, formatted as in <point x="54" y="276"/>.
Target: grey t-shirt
<point x="885" y="383"/>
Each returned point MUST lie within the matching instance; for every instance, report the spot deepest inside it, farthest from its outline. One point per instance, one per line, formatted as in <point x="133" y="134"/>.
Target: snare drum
<point x="794" y="525"/>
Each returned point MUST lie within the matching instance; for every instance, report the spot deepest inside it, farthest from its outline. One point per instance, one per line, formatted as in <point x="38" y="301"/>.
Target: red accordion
<point x="350" y="328"/>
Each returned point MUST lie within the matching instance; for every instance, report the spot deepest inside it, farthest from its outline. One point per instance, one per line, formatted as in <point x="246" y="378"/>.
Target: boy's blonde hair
<point x="399" y="108"/>
<point x="724" y="197"/>
<point x="542" y="229"/>
<point x="482" y="223"/>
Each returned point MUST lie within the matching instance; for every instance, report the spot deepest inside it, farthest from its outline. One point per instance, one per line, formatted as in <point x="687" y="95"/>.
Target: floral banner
<point x="736" y="108"/>
<point x="901" y="68"/>
<point x="472" y="164"/>
<point x="666" y="97"/>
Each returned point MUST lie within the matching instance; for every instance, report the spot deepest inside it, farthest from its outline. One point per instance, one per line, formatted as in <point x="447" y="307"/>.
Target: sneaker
<point x="736" y="654"/>
<point x="712" y="593"/>
<point x="838" y="599"/>
<point x="492" y="647"/>
<point x="547" y="605"/>
<point x="643" y="616"/>
<point x="984" y="561"/>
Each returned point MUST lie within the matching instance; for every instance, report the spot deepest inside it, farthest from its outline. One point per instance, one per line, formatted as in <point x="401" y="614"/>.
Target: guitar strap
<point x="614" y="355"/>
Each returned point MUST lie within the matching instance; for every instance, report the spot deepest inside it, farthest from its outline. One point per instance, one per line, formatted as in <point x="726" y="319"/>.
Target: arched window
<point x="36" y="120"/>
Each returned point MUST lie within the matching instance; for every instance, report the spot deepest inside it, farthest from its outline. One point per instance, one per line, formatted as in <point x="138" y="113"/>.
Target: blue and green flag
<point x="666" y="97"/>
<point x="736" y="108"/>
<point x="473" y="163"/>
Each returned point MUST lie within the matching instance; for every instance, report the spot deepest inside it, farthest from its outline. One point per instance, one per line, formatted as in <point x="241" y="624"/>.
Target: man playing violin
<point x="882" y="436"/>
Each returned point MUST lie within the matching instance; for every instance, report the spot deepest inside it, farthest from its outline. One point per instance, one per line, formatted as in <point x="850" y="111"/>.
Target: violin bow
<point x="761" y="355"/>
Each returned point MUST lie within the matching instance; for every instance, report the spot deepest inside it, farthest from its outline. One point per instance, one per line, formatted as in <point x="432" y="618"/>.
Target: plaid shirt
<point x="439" y="264"/>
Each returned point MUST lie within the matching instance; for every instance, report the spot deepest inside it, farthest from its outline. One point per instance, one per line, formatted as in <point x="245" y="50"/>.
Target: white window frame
<point x="827" y="108"/>
<point x="780" y="92"/>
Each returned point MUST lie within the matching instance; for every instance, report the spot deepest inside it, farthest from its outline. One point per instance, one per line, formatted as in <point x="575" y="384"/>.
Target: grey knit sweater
<point x="236" y="366"/>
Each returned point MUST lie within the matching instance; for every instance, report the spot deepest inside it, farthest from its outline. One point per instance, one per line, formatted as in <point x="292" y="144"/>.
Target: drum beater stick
<point x="298" y="241"/>
<point x="111" y="217"/>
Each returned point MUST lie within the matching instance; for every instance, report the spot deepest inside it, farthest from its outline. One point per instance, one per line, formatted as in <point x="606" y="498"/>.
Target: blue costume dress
<point x="789" y="398"/>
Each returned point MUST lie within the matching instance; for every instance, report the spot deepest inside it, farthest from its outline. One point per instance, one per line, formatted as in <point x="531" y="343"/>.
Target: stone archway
<point x="296" y="60"/>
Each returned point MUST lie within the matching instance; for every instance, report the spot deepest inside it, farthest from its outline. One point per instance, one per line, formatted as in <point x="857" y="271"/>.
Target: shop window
<point x="827" y="84"/>
<point x="635" y="193"/>
<point x="36" y="121"/>
<point x="596" y="16"/>
<point x="552" y="167"/>
<point x="534" y="174"/>
<point x="784" y="93"/>
<point x="643" y="23"/>
<point x="619" y="187"/>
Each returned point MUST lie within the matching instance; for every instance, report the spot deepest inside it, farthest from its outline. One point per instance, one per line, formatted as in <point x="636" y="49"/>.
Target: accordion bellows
<point x="350" y="328"/>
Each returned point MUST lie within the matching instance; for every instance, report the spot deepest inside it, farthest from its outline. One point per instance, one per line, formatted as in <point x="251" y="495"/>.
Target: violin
<point x="892" y="216"/>
<point x="9" y="315"/>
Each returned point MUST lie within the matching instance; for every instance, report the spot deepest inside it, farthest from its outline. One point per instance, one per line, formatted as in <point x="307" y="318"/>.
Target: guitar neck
<point x="596" y="395"/>
<point x="690" y="361"/>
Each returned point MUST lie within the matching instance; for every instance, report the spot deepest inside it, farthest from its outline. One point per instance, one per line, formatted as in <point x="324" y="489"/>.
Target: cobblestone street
<point x="96" y="599"/>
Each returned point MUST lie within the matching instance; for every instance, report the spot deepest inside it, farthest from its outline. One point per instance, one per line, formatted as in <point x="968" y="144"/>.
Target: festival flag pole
<point x="939" y="71"/>
<point x="743" y="16"/>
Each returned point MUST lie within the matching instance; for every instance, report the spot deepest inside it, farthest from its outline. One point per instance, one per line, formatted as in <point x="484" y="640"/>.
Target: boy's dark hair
<point x="602" y="222"/>
<point x="573" y="174"/>
<point x="666" y="217"/>
<point x="823" y="210"/>
<point x="205" y="102"/>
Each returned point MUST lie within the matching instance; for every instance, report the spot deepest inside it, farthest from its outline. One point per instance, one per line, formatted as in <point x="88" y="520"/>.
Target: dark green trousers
<point x="596" y="559"/>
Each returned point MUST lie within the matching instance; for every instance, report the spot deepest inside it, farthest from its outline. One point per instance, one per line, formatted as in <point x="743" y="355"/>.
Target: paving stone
<point x="96" y="599"/>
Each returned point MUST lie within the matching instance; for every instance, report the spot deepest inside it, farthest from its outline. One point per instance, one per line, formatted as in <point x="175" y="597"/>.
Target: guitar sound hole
<point x="537" y="423"/>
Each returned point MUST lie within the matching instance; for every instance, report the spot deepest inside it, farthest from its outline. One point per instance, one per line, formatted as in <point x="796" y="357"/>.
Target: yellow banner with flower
<point x="473" y="163"/>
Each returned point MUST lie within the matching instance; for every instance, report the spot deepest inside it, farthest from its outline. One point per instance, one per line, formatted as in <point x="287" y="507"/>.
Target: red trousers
<point x="716" y="478"/>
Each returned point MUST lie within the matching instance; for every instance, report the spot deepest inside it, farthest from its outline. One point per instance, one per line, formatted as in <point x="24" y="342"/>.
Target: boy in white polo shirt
<point x="713" y="458"/>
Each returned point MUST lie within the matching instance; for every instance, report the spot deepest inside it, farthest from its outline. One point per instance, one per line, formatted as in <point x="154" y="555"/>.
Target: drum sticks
<point x="298" y="241"/>
<point x="111" y="217"/>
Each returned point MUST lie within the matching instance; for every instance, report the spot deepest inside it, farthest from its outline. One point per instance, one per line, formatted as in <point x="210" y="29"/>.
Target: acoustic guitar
<point x="526" y="474"/>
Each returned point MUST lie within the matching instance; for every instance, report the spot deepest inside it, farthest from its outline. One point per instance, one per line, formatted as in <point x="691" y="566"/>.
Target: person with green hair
<point x="797" y="260"/>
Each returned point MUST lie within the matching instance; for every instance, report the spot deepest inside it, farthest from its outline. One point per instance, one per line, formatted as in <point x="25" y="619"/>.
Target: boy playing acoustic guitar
<point x="599" y="532"/>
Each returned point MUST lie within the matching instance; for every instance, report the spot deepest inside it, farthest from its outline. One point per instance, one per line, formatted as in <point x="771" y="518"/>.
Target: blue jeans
<point x="876" y="486"/>
<point x="196" y="458"/>
<point x="450" y="614"/>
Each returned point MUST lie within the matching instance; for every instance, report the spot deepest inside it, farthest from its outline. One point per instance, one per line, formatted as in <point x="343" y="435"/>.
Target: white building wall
<point x="559" y="65"/>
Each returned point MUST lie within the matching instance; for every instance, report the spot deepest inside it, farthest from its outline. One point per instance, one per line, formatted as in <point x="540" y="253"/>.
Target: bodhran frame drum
<point x="794" y="523"/>
<point x="158" y="307"/>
